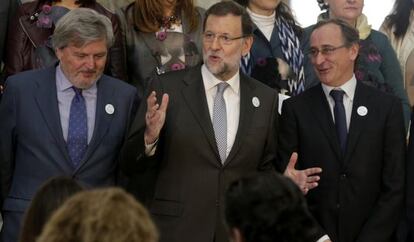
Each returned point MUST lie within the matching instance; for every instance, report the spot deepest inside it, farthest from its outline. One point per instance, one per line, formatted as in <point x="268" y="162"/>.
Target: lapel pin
<point x="256" y="102"/>
<point x="362" y="111"/>
<point x="109" y="109"/>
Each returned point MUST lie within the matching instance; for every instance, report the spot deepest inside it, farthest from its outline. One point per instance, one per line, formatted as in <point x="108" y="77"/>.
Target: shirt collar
<point x="210" y="81"/>
<point x="348" y="87"/>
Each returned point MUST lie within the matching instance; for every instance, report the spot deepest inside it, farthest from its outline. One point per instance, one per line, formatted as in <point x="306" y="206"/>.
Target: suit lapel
<point x="322" y="113"/>
<point x="194" y="96"/>
<point x="105" y="95"/>
<point x="358" y="122"/>
<point x="246" y="114"/>
<point x="46" y="99"/>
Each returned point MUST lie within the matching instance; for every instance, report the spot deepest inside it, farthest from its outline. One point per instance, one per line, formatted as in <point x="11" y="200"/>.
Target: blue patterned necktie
<point x="340" y="118"/>
<point x="220" y="120"/>
<point x="77" y="140"/>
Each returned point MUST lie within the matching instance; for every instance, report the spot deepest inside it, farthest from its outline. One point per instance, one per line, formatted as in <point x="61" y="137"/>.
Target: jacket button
<point x="343" y="176"/>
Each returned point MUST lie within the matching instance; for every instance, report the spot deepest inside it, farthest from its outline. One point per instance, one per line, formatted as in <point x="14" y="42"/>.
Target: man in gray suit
<point x="66" y="120"/>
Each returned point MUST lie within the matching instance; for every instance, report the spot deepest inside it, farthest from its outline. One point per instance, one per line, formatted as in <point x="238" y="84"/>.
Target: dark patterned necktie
<point x="340" y="117"/>
<point x="77" y="140"/>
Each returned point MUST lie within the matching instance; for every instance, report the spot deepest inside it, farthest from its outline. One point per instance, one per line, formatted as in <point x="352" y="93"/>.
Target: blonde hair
<point x="101" y="215"/>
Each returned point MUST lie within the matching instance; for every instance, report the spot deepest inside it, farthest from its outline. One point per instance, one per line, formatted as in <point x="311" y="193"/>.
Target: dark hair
<point x="268" y="208"/>
<point x="400" y="17"/>
<point x="350" y="35"/>
<point x="148" y="12"/>
<point x="47" y="199"/>
<point x="81" y="3"/>
<point x="282" y="10"/>
<point x="230" y="7"/>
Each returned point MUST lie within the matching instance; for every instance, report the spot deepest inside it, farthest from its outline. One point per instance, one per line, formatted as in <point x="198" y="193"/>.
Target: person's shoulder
<point x="29" y="76"/>
<point x="379" y="39"/>
<point x="117" y="84"/>
<point x="257" y="85"/>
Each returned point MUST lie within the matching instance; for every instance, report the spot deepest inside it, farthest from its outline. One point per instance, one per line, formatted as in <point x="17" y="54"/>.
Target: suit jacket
<point x="360" y="193"/>
<point x="32" y="147"/>
<point x="187" y="192"/>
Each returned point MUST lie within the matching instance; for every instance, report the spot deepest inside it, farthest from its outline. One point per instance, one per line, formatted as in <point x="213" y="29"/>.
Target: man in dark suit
<point x="355" y="133"/>
<point x="211" y="126"/>
<point x="66" y="120"/>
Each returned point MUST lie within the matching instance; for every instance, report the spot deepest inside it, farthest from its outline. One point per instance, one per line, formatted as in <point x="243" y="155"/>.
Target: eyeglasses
<point x="325" y="51"/>
<point x="223" y="39"/>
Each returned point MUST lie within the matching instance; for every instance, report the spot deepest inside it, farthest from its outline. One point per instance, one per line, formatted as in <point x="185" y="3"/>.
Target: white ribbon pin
<point x="109" y="109"/>
<point x="362" y="111"/>
<point x="256" y="102"/>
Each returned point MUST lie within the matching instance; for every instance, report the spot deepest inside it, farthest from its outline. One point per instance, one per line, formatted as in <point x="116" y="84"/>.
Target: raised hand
<point x="305" y="179"/>
<point x="155" y="117"/>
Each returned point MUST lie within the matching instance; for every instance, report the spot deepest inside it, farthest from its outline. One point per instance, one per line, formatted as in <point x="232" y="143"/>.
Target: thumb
<point x="292" y="161"/>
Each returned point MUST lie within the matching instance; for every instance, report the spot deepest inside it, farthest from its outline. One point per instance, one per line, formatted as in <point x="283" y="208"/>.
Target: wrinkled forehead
<point x="226" y="24"/>
<point x="329" y="34"/>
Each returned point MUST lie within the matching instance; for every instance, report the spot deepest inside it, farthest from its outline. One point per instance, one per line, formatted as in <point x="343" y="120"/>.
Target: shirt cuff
<point x="323" y="238"/>
<point x="150" y="148"/>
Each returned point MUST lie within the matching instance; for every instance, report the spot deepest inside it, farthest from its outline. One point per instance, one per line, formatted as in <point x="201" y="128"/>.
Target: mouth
<point x="214" y="58"/>
<point x="323" y="71"/>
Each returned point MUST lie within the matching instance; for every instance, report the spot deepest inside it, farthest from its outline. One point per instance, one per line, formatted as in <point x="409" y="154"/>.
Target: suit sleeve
<point x="289" y="143"/>
<point x="288" y="135"/>
<point x="7" y="139"/>
<point x="386" y="214"/>
<point x="133" y="159"/>
<point x="269" y="158"/>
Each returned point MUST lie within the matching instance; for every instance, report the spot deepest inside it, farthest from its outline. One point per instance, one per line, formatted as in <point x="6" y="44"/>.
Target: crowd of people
<point x="232" y="123"/>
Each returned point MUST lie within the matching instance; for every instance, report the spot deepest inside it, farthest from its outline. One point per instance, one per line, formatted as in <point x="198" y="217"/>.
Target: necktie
<point x="220" y="120"/>
<point x="77" y="140"/>
<point x="340" y="117"/>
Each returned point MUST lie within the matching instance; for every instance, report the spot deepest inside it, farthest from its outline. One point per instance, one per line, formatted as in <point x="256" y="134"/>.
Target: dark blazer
<point x="360" y="194"/>
<point x="186" y="196"/>
<point x="32" y="147"/>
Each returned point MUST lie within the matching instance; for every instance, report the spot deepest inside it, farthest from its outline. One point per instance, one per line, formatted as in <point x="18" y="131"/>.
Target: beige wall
<point x="205" y="3"/>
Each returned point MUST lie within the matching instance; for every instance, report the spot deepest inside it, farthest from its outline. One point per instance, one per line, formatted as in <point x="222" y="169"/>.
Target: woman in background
<point x="160" y="36"/>
<point x="399" y="27"/>
<point x="29" y="36"/>
<point x="276" y="58"/>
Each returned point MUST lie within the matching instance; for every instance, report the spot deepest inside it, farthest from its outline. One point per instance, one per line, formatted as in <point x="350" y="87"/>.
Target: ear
<point x="59" y="53"/>
<point x="353" y="51"/>
<point x="247" y="44"/>
<point x="235" y="235"/>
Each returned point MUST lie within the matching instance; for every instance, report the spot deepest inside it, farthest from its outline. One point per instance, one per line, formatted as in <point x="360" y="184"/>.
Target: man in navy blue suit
<point x="69" y="119"/>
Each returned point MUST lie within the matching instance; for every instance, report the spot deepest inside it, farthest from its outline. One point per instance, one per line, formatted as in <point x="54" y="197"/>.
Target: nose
<point x="318" y="59"/>
<point x="90" y="62"/>
<point x="215" y="44"/>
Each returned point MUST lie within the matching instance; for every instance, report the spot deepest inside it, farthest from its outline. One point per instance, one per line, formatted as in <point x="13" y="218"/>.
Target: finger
<point x="305" y="190"/>
<point x="312" y="171"/>
<point x="311" y="185"/>
<point x="151" y="100"/>
<point x="311" y="179"/>
<point x="164" y="102"/>
<point x="292" y="161"/>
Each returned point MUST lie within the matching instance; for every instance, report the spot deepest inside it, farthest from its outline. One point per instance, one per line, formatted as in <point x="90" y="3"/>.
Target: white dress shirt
<point x="349" y="89"/>
<point x="231" y="97"/>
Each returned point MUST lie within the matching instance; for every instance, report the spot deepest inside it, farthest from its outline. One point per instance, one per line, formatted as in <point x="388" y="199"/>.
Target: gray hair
<point x="81" y="26"/>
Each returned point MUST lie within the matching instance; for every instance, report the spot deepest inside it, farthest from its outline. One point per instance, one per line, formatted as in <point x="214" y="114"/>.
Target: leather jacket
<point x="24" y="37"/>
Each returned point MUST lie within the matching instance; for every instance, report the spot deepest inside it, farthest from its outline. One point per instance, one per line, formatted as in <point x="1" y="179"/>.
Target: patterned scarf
<point x="293" y="54"/>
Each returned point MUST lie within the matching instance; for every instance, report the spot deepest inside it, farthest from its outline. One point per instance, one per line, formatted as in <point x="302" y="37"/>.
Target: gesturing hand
<point x="305" y="179"/>
<point x="155" y="117"/>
